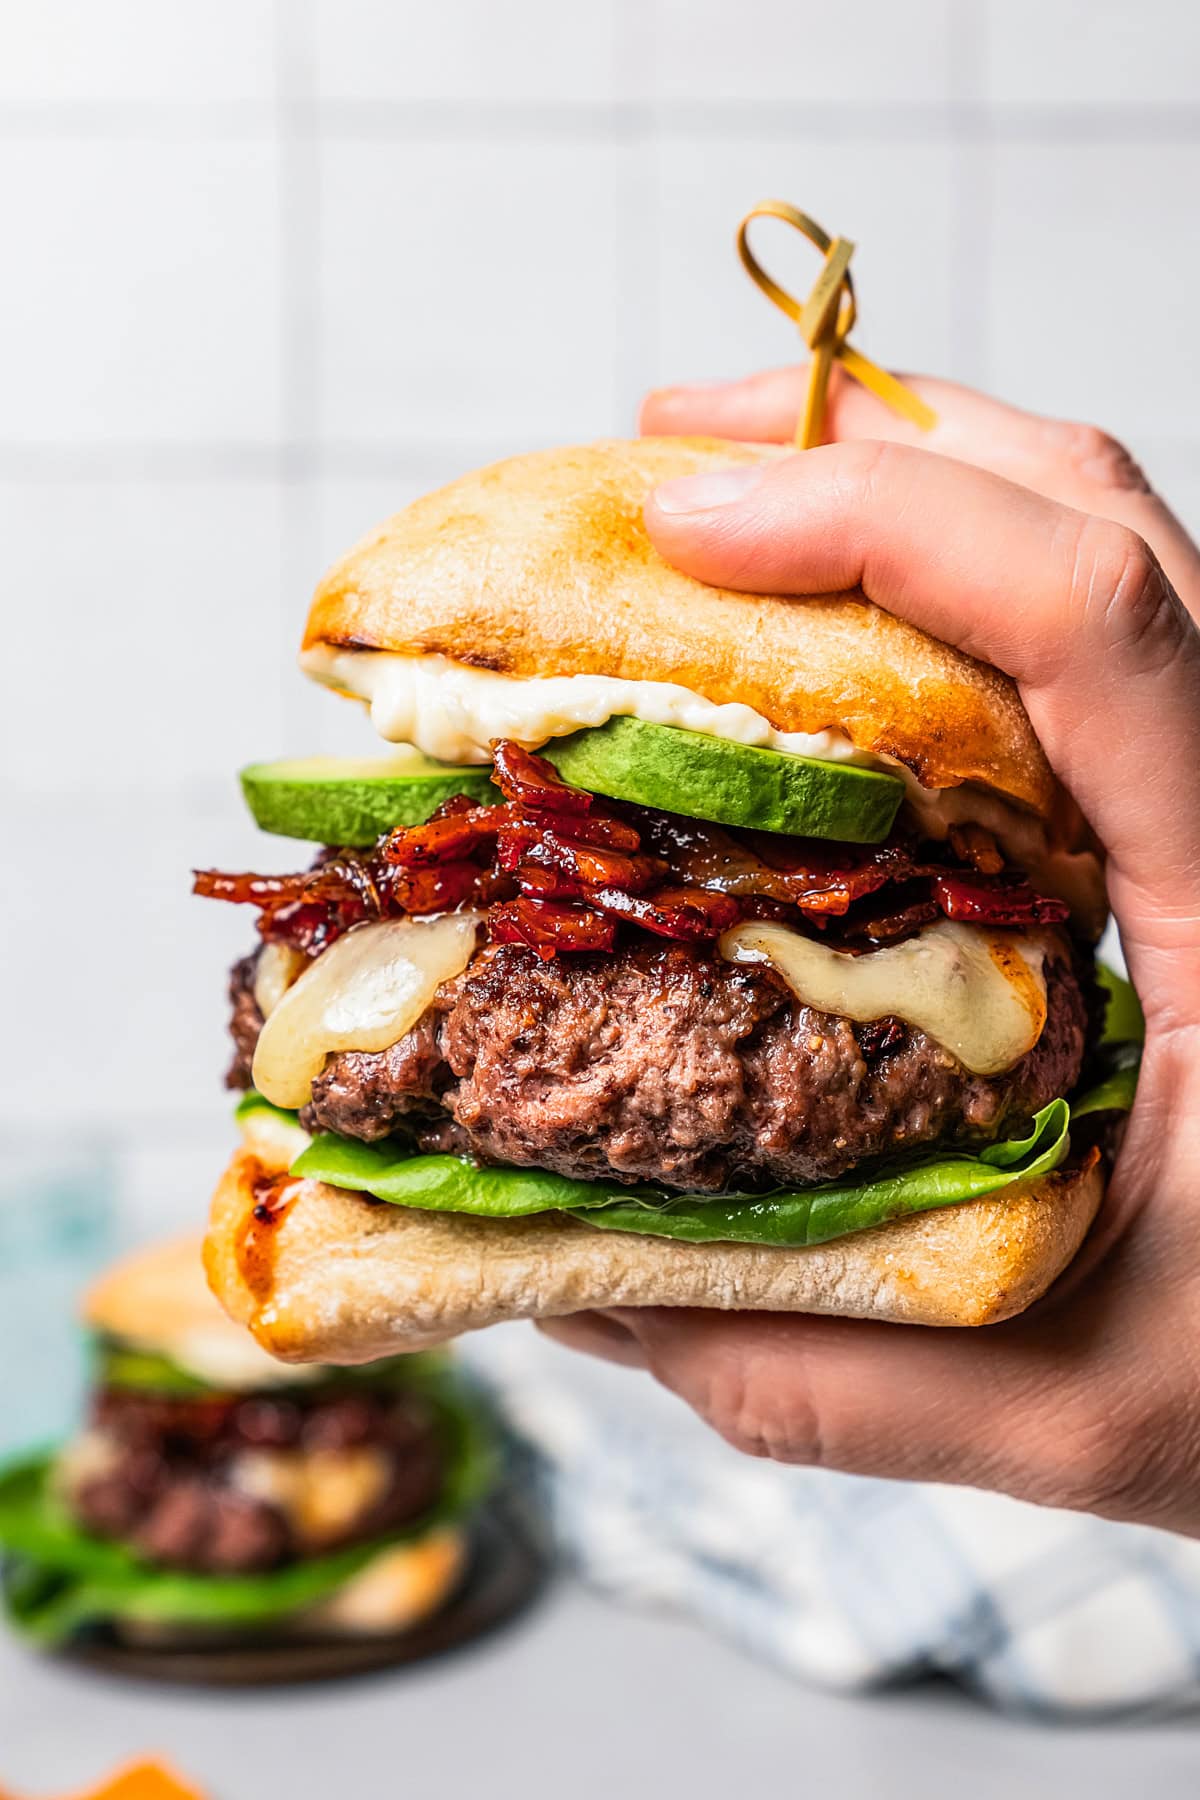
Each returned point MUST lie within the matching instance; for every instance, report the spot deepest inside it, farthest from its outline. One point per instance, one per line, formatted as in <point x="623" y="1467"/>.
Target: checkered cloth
<point x="839" y="1580"/>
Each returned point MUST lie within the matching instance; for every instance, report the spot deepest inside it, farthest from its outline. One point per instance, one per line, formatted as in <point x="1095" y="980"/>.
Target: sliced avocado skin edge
<point x="674" y="770"/>
<point x="355" y="810"/>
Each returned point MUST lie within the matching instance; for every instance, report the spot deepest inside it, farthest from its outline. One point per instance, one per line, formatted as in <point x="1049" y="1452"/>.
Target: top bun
<point x="158" y="1300"/>
<point x="542" y="565"/>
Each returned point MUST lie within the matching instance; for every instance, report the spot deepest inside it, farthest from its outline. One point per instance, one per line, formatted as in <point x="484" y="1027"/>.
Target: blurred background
<point x="273" y="267"/>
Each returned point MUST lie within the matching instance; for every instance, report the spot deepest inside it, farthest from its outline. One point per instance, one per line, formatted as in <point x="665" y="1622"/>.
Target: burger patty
<point x="666" y="1064"/>
<point x="175" y="1479"/>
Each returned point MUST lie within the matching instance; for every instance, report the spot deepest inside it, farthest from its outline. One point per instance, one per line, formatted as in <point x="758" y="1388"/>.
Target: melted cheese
<point x="363" y="993"/>
<point x="278" y="968"/>
<point x="91" y="1456"/>
<point x="979" y="994"/>
<point x="322" y="1493"/>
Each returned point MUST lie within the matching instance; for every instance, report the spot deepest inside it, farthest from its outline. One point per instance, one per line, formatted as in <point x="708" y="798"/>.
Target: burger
<point x="688" y="948"/>
<point x="215" y="1494"/>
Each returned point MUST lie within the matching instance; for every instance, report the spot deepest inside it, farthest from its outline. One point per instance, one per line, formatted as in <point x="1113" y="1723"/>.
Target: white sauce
<point x="453" y="712"/>
<point x="979" y="994"/>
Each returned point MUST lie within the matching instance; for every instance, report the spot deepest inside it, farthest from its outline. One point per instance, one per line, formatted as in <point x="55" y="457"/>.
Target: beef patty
<point x="663" y="1063"/>
<point x="181" y="1481"/>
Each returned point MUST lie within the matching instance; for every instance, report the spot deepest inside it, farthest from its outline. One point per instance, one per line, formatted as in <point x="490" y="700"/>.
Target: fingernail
<point x="684" y="391"/>
<point x="664" y="405"/>
<point x="704" y="493"/>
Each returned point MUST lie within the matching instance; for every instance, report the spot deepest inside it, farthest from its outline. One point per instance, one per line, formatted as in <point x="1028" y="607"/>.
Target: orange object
<point x="145" y="1780"/>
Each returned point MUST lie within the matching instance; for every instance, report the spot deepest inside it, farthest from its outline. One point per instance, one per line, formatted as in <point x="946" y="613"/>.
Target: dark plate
<point x="506" y="1570"/>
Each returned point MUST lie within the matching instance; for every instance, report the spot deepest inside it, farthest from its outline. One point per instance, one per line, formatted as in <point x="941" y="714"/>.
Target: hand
<point x="1077" y="464"/>
<point x="1092" y="1399"/>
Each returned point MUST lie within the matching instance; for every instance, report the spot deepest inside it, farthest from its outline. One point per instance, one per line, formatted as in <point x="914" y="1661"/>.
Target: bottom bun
<point x="324" y="1275"/>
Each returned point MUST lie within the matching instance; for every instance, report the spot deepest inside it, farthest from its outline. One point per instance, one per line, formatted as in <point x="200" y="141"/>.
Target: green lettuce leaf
<point x="441" y="1183"/>
<point x="1124" y="1022"/>
<point x="58" y="1578"/>
<point x="806" y="1216"/>
<point x="799" y="1217"/>
<point x="119" y="1365"/>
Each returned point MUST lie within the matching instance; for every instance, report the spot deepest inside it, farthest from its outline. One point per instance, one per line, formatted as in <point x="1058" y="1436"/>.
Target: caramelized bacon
<point x="256" y="890"/>
<point x="803" y="872"/>
<point x="585" y="865"/>
<point x="439" y="889"/>
<point x="443" y="838"/>
<point x="308" y="928"/>
<point x="890" y="927"/>
<point x="533" y="782"/>
<point x="332" y="882"/>
<point x="975" y="845"/>
<point x="548" y="928"/>
<point x="689" y="914"/>
<point x="559" y="870"/>
<point x="983" y="900"/>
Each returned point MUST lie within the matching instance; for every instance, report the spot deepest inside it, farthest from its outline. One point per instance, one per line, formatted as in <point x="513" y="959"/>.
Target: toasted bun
<point x="542" y="566"/>
<point x="157" y="1300"/>
<point x="338" y="1278"/>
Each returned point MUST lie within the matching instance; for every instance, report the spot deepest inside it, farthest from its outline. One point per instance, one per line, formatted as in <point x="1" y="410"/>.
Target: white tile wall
<point x="143" y="653"/>
<point x="469" y="291"/>
<point x="273" y="266"/>
<point x="142" y="290"/>
<point x="539" y="50"/>
<point x="761" y="50"/>
<point x="1073" y="53"/>
<point x="115" y="52"/>
<point x="117" y="973"/>
<point x="1091" y="291"/>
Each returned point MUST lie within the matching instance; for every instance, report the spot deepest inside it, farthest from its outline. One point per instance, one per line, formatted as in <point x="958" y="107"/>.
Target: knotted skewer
<point x="826" y="320"/>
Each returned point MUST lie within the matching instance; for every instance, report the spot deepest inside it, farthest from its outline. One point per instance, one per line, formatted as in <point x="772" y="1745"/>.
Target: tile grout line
<point x="304" y="117"/>
<point x="154" y="465"/>
<point x="299" y="147"/>
<point x="971" y="200"/>
<point x="637" y="233"/>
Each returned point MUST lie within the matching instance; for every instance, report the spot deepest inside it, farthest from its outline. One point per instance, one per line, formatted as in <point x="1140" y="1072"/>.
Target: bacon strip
<point x="980" y="900"/>
<point x="534" y="783"/>
<point x="548" y="928"/>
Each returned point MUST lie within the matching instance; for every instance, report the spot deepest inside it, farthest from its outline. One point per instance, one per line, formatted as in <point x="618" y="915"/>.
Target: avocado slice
<point x="734" y="784"/>
<point x="341" y="800"/>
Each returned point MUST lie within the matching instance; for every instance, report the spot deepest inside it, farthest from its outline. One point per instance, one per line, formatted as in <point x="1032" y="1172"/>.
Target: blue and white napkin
<point x="839" y="1580"/>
